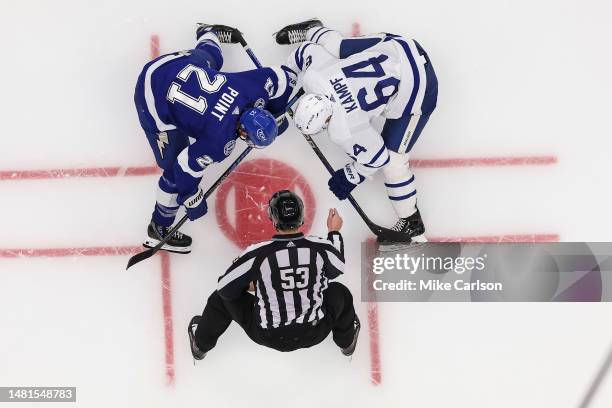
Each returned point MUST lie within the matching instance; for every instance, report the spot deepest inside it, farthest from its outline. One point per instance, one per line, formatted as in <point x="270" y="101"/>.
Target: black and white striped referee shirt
<point x="290" y="272"/>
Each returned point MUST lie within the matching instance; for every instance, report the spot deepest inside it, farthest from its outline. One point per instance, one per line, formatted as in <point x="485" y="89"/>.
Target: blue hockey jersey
<point x="181" y="92"/>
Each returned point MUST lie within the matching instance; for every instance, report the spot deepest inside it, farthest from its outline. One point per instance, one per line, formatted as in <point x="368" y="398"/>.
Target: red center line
<point x="165" y="264"/>
<point x="130" y="250"/>
<point x="154" y="44"/>
<point x="484" y="162"/>
<point x="8" y="175"/>
<point x="75" y="172"/>
<point x="64" y="252"/>
<point x="168" y="325"/>
<point x="499" y="238"/>
<point x="373" y="323"/>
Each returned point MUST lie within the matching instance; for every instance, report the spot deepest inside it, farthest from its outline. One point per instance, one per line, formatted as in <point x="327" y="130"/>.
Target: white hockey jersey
<point x="375" y="81"/>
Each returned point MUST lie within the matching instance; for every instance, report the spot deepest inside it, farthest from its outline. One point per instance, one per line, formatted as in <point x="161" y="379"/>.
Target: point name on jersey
<point x="224" y="103"/>
<point x="344" y="94"/>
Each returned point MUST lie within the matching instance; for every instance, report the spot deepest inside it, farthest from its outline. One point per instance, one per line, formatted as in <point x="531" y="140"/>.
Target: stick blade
<point x="139" y="257"/>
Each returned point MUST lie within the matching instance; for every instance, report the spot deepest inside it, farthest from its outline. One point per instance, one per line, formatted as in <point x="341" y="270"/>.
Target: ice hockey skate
<point x="225" y="34"/>
<point x="296" y="33"/>
<point x="179" y="243"/>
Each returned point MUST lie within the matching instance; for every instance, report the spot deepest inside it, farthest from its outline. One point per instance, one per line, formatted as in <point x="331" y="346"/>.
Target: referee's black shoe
<point x="195" y="351"/>
<point x="350" y="349"/>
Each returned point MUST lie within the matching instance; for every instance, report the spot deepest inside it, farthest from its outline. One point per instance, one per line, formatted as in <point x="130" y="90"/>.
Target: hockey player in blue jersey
<point x="352" y="83"/>
<point x="193" y="113"/>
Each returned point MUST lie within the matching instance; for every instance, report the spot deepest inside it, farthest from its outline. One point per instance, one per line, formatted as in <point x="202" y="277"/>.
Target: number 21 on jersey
<point x="175" y="94"/>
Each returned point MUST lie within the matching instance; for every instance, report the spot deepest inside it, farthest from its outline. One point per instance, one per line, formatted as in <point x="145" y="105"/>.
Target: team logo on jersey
<point x="229" y="147"/>
<point x="269" y="87"/>
<point x="308" y="62"/>
<point x="204" y="161"/>
<point x="236" y="111"/>
<point x="260" y="103"/>
<point x="162" y="141"/>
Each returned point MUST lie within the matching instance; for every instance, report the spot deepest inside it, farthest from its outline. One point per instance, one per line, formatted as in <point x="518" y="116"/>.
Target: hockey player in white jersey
<point x="349" y="82"/>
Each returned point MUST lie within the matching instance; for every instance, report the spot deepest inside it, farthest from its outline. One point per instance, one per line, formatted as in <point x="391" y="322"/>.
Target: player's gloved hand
<point x="195" y="205"/>
<point x="344" y="180"/>
<point x="282" y="124"/>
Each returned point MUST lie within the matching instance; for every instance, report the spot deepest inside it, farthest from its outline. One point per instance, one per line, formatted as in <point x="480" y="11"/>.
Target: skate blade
<point x="420" y="239"/>
<point x="415" y="242"/>
<point x="151" y="243"/>
<point x="399" y="246"/>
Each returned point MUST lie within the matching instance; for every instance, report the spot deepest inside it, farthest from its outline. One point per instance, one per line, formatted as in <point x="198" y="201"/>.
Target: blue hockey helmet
<point x="258" y="127"/>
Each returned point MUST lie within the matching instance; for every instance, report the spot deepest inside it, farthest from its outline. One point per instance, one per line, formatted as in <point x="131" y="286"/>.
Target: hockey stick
<point x="152" y="251"/>
<point x="379" y="231"/>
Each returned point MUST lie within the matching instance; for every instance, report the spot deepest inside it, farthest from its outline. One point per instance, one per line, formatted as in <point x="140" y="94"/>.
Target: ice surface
<point x="517" y="79"/>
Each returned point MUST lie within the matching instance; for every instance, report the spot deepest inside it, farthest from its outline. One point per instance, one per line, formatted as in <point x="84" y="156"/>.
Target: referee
<point x="294" y="303"/>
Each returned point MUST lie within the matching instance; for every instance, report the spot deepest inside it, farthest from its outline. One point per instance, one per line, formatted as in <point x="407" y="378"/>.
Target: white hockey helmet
<point x="313" y="114"/>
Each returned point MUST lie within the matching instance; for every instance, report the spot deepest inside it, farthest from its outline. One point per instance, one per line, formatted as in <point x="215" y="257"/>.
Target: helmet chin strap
<point x="323" y="129"/>
<point x="240" y="130"/>
<point x="325" y="125"/>
<point x="243" y="135"/>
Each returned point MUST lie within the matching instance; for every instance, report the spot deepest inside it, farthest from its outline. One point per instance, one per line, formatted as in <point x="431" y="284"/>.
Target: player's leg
<point x="218" y="315"/>
<point x="401" y="190"/>
<point x="338" y="302"/>
<point x="166" y="147"/>
<point x="312" y="31"/>
<point x="333" y="41"/>
<point x="400" y="136"/>
<point x="213" y="323"/>
<point x="400" y="184"/>
<point x="330" y="39"/>
<point x="208" y="47"/>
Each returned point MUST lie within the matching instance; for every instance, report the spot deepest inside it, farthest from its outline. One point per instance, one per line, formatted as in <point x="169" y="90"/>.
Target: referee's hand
<point x="334" y="220"/>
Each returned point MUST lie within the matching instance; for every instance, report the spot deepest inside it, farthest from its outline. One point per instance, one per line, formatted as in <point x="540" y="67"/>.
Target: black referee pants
<point x="338" y="319"/>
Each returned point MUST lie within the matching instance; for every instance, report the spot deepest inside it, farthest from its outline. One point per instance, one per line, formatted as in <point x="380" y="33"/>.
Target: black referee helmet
<point x="286" y="210"/>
